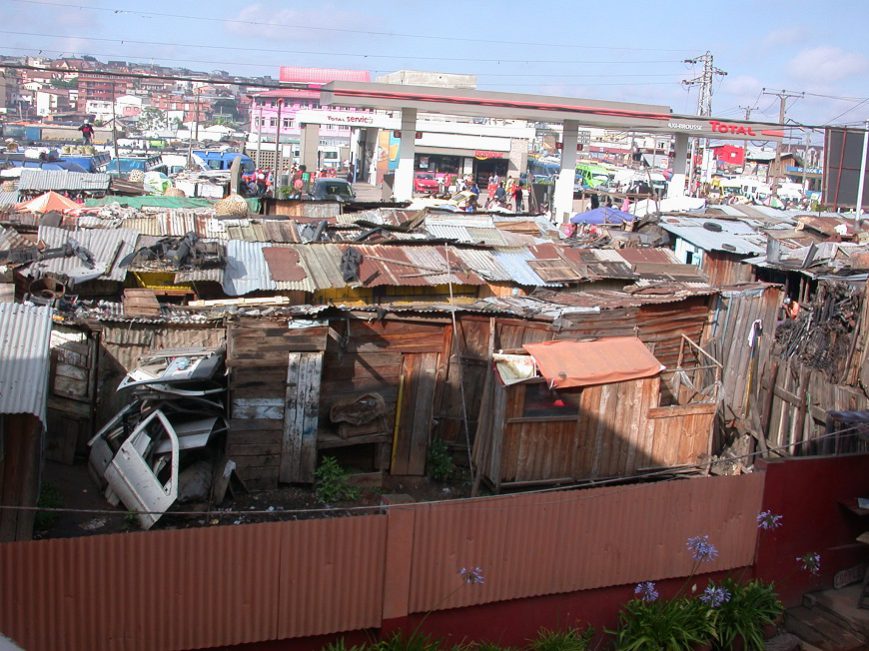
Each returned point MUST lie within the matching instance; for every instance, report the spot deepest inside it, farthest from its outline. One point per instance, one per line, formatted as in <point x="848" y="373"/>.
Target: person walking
<point x="87" y="133"/>
<point x="517" y="197"/>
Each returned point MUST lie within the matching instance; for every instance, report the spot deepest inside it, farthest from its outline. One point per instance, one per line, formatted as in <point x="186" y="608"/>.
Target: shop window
<point x="543" y="402"/>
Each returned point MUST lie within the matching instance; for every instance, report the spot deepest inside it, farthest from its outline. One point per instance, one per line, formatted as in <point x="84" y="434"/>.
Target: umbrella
<point x="602" y="215"/>
<point x="48" y="202"/>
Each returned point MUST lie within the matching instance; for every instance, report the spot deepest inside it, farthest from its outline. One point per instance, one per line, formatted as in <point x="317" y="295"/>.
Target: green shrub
<point x="570" y="640"/>
<point x="416" y="641"/>
<point x="330" y="483"/>
<point x="341" y="645"/>
<point x="440" y="462"/>
<point x="677" y="625"/>
<point x="750" y="608"/>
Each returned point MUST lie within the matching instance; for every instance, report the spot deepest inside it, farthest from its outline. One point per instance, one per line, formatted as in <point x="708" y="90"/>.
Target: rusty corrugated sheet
<point x="549" y="543"/>
<point x="194" y="588"/>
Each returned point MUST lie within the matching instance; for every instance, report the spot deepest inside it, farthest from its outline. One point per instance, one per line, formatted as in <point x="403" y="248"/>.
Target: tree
<point x="151" y="118"/>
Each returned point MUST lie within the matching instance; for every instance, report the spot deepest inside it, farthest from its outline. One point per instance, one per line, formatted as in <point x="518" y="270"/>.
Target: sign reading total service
<point x="719" y="129"/>
<point x="357" y="119"/>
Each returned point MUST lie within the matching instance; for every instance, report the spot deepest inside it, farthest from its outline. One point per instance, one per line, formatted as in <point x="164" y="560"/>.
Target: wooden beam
<point x="299" y="442"/>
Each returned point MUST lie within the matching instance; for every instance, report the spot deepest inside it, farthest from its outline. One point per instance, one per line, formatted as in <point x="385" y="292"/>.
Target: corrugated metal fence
<point x="209" y="587"/>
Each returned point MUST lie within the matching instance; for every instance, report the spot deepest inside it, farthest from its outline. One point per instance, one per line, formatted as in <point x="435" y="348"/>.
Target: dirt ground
<point x="71" y="487"/>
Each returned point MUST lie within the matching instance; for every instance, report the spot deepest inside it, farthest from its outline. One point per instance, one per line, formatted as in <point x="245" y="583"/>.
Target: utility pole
<point x="276" y="181"/>
<point x="115" y="129"/>
<point x="783" y="97"/>
<point x="704" y="101"/>
<point x="748" y="110"/>
<point x="193" y="136"/>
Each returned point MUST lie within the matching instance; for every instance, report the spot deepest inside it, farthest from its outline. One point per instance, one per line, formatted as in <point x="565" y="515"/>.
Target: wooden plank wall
<point x="794" y="414"/>
<point x="413" y="428"/>
<point x="299" y="439"/>
<point x="726" y="339"/>
<point x="258" y="360"/>
<point x="71" y="394"/>
<point x="608" y="438"/>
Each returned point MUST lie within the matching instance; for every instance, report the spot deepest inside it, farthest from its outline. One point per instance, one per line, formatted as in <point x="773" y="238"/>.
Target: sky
<point x="623" y="50"/>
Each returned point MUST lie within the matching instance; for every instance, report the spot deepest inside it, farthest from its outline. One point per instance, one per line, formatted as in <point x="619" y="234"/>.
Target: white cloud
<point x="742" y="85"/>
<point x="260" y="21"/>
<point x="827" y="63"/>
<point x="785" y="36"/>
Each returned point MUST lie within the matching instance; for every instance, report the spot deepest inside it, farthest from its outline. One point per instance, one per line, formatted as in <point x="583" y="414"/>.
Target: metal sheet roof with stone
<point x="38" y="180"/>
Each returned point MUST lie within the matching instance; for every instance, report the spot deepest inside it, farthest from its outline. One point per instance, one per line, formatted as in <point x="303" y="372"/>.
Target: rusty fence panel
<point x="547" y="543"/>
<point x="194" y="588"/>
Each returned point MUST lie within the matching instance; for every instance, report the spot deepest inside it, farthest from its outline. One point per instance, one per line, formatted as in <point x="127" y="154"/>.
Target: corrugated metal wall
<point x="194" y="588"/>
<point x="556" y="542"/>
<point x="209" y="587"/>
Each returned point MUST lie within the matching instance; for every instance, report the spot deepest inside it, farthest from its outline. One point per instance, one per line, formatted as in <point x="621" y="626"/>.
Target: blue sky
<point x="621" y="50"/>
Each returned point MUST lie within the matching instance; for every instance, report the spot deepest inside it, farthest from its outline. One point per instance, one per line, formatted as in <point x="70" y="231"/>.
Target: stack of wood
<point x="141" y="302"/>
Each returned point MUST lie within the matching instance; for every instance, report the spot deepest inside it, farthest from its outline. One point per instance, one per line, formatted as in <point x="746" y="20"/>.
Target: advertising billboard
<point x="843" y="154"/>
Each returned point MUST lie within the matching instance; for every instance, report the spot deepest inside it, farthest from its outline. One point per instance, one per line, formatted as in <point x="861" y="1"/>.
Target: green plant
<point x="750" y="608"/>
<point x="49" y="498"/>
<point x="440" y="462"/>
<point x="341" y="645"/>
<point x="331" y="484"/>
<point x="570" y="640"/>
<point x="416" y="641"/>
<point x="676" y="625"/>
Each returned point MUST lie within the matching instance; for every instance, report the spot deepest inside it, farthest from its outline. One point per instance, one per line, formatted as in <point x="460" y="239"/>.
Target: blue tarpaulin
<point x="602" y="215"/>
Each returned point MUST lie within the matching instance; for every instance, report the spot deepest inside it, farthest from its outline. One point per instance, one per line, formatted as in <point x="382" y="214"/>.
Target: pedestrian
<point x="87" y="133"/>
<point x="491" y="186"/>
<point x="517" y="197"/>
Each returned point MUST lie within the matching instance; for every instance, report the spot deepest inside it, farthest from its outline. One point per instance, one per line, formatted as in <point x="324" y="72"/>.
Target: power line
<point x="140" y="13"/>
<point x="125" y="41"/>
<point x="783" y="96"/>
<point x="356" y="56"/>
<point x="831" y="120"/>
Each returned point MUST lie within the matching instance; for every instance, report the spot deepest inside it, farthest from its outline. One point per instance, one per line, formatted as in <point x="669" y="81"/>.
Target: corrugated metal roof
<point x="25" y="335"/>
<point x="515" y="263"/>
<point x="484" y="263"/>
<point x="214" y="275"/>
<point x="9" y="199"/>
<point x="108" y="246"/>
<point x="37" y="180"/>
<point x="10" y="239"/>
<point x="730" y="236"/>
<point x="305" y="284"/>
<point x="246" y="270"/>
<point x="177" y="223"/>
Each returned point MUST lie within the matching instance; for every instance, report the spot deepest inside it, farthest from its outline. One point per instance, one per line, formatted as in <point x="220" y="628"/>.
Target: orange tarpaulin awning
<point x="48" y="202"/>
<point x="567" y="364"/>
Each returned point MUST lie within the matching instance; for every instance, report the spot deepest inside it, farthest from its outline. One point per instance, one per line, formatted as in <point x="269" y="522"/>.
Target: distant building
<point x="50" y="101"/>
<point x="420" y="78"/>
<point x="101" y="87"/>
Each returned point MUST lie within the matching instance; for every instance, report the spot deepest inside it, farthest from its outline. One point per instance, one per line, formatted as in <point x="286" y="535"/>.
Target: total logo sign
<point x="720" y="127"/>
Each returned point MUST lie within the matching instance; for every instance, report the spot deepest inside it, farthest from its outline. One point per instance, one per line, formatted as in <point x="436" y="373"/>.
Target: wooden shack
<point x="286" y="376"/>
<point x="566" y="411"/>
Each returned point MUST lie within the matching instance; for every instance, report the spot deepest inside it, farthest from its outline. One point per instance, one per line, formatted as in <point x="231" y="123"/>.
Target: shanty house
<point x="572" y="410"/>
<point x="25" y="332"/>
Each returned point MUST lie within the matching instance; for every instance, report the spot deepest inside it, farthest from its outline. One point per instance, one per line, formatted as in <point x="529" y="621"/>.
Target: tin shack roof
<point x="38" y="180"/>
<point x="108" y="247"/>
<point x="25" y="334"/>
<point x="731" y="236"/>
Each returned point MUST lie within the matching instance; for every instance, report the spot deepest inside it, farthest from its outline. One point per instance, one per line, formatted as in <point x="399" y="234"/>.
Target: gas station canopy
<point x="537" y="108"/>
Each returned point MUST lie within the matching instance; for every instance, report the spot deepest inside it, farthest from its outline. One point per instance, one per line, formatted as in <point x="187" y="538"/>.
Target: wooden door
<point x="414" y="413"/>
<point x="299" y="441"/>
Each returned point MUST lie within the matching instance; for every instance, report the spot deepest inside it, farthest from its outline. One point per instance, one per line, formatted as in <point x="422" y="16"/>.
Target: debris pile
<point x="821" y="337"/>
<point x="167" y="444"/>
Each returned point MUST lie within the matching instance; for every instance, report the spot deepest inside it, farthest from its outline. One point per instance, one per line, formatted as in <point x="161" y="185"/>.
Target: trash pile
<point x="167" y="444"/>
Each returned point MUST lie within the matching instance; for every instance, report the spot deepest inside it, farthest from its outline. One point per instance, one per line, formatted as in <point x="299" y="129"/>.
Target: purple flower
<point x="702" y="549"/>
<point x="715" y="595"/>
<point x="767" y="520"/>
<point x="646" y="591"/>
<point x="473" y="575"/>
<point x="810" y="562"/>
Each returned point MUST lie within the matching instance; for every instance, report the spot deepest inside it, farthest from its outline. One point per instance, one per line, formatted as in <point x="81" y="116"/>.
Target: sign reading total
<point x="738" y="129"/>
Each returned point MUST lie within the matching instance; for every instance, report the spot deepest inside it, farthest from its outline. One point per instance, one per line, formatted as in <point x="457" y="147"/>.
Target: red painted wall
<point x="806" y="492"/>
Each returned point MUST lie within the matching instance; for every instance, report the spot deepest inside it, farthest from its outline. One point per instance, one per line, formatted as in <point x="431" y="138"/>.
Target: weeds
<point x="331" y="484"/>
